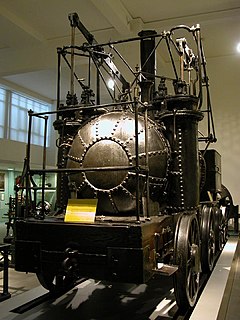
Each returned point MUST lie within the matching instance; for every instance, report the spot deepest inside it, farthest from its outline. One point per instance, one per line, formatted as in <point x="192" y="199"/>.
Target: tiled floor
<point x="19" y="282"/>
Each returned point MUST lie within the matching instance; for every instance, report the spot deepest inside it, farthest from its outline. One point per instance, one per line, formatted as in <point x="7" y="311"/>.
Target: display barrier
<point x="4" y="249"/>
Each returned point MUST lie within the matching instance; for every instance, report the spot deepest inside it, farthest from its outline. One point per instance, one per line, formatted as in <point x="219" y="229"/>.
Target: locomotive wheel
<point x="221" y="229"/>
<point x="46" y="279"/>
<point x="186" y="256"/>
<point x="207" y="239"/>
<point x="54" y="282"/>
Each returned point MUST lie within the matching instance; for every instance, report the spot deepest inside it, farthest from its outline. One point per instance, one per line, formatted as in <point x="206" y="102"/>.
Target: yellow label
<point x="81" y="210"/>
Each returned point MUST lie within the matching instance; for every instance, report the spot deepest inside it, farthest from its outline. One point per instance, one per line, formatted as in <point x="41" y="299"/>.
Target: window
<point x="17" y="117"/>
<point x="2" y="181"/>
<point x="2" y="111"/>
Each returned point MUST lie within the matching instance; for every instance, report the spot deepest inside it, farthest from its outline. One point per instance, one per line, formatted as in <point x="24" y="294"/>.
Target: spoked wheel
<point x="187" y="257"/>
<point x="207" y="239"/>
<point x="221" y="227"/>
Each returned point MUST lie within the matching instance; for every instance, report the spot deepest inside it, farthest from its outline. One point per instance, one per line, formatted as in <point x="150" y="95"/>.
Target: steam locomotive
<point x="159" y="203"/>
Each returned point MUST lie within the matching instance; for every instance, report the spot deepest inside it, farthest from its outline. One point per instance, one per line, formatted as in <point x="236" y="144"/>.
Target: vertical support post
<point x="98" y="88"/>
<point x="147" y="160"/>
<point x="136" y="152"/>
<point x="89" y="71"/>
<point x="30" y="114"/>
<point x="59" y="52"/>
<point x="44" y="162"/>
<point x="28" y="152"/>
<point x="201" y="63"/>
<point x="148" y="69"/>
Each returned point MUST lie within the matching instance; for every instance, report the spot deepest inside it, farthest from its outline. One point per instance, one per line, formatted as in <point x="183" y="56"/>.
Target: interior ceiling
<point x="31" y="30"/>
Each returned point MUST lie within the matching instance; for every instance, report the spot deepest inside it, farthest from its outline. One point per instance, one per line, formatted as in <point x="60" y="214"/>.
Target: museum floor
<point x="95" y="301"/>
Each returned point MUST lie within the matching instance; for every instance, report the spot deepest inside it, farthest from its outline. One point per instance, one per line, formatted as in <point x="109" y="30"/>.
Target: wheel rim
<point x="221" y="227"/>
<point x="208" y="248"/>
<point x="224" y="224"/>
<point x="211" y="247"/>
<point x="46" y="279"/>
<point x="193" y="274"/>
<point x="186" y="256"/>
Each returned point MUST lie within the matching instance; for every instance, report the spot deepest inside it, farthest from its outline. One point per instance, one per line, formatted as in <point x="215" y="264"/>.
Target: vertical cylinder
<point x="72" y="61"/>
<point x="59" y="51"/>
<point x="148" y="64"/>
<point x="184" y="175"/>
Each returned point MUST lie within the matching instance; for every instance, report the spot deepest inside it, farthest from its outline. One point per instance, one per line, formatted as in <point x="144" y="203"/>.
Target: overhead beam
<point x="116" y="14"/>
<point x="208" y="18"/>
<point x="20" y="23"/>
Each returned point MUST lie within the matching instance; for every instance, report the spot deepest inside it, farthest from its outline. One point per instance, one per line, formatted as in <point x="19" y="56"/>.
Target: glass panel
<point x="2" y="111"/>
<point x="19" y="119"/>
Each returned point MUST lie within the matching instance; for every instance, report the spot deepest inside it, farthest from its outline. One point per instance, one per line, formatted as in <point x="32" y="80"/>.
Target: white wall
<point x="13" y="154"/>
<point x="225" y="95"/>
